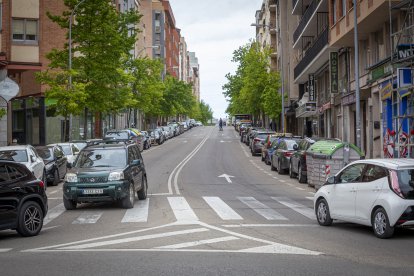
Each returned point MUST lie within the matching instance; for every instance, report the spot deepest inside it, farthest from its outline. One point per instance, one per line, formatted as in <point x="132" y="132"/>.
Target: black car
<point x="55" y="163"/>
<point x="280" y="158"/>
<point x="23" y="200"/>
<point x="297" y="167"/>
<point x="106" y="172"/>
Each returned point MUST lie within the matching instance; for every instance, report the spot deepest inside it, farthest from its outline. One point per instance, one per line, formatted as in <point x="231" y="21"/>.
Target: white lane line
<point x="245" y="153"/>
<point x="312" y="193"/>
<point x="133" y="239"/>
<point x="53" y="192"/>
<point x="54" y="198"/>
<point x="301" y="189"/>
<point x="197" y="243"/>
<point x="88" y="218"/>
<point x="137" y="214"/>
<point x="268" y="225"/>
<point x="310" y="198"/>
<point x="182" y="209"/>
<point x="262" y="209"/>
<point x="224" y="211"/>
<point x="300" y="208"/>
<point x="275" y="177"/>
<point x="54" y="213"/>
<point x="283" y="181"/>
<point x="159" y="194"/>
<point x="4" y="250"/>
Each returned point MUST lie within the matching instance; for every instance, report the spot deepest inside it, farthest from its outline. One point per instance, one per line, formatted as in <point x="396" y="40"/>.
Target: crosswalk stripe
<point x="54" y="213"/>
<point x="224" y="211"/>
<point x="197" y="243"/>
<point x="88" y="218"/>
<point x="301" y="209"/>
<point x="137" y="214"/>
<point x="262" y="209"/>
<point x="182" y="209"/>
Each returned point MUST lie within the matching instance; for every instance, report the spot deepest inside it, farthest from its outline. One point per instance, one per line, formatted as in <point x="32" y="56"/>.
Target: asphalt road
<point x="213" y="209"/>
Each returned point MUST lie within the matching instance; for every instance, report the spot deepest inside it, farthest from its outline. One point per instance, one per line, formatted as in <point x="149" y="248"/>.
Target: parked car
<point x="257" y="142"/>
<point x="70" y="149"/>
<point x="106" y="172"/>
<point x="80" y="144"/>
<point x="26" y="155"/>
<point x="55" y="163"/>
<point x="267" y="144"/>
<point x="23" y="200"/>
<point x="270" y="151"/>
<point x="373" y="192"/>
<point x="280" y="159"/>
<point x="148" y="139"/>
<point x="157" y="135"/>
<point x="124" y="135"/>
<point x="297" y="166"/>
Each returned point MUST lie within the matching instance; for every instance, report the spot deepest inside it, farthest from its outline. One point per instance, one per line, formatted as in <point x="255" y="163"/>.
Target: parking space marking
<point x="268" y="225"/>
<point x="54" y="213"/>
<point x="53" y="192"/>
<point x="88" y="218"/>
<point x="310" y="198"/>
<point x="4" y="250"/>
<point x="197" y="243"/>
<point x="137" y="214"/>
<point x="300" y="208"/>
<point x="312" y="193"/>
<point x="301" y="189"/>
<point x="182" y="209"/>
<point x="224" y="211"/>
<point x="262" y="209"/>
<point x="283" y="181"/>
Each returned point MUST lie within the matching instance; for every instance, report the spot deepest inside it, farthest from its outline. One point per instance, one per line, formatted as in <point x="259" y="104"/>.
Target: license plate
<point x="92" y="191"/>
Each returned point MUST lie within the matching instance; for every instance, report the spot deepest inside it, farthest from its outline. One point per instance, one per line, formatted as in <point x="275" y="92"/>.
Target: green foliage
<point x="178" y="97"/>
<point x="254" y="87"/>
<point x="2" y="112"/>
<point x="205" y="113"/>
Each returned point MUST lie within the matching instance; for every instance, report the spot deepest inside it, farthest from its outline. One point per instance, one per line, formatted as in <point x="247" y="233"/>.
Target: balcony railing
<point x="311" y="54"/>
<point x="294" y="3"/>
<point x="305" y="19"/>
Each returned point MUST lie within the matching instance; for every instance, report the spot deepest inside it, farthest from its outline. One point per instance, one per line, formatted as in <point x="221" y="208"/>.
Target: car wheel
<point x="381" y="224"/>
<point x="271" y="165"/>
<point x="128" y="201"/>
<point x="279" y="167"/>
<point x="291" y="173"/>
<point x="142" y="194"/>
<point x="56" y="178"/>
<point x="262" y="157"/>
<point x="301" y="177"/>
<point x="30" y="220"/>
<point x="322" y="213"/>
<point x="69" y="204"/>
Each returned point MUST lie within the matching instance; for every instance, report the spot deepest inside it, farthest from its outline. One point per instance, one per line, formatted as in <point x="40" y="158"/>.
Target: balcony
<point x="315" y="56"/>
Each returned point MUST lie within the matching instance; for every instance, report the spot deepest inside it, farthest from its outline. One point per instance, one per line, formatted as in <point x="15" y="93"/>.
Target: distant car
<point x="23" y="200"/>
<point x="266" y="145"/>
<point x="148" y="139"/>
<point x="373" y="192"/>
<point x="281" y="156"/>
<point x="70" y="150"/>
<point x="55" y="163"/>
<point x="106" y="173"/>
<point x="26" y="155"/>
<point x="257" y="142"/>
<point x="157" y="135"/>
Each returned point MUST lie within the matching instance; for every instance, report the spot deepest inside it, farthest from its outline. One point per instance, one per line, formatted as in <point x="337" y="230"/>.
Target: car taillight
<point x="287" y="154"/>
<point x="304" y="156"/>
<point x="256" y="140"/>
<point x="41" y="184"/>
<point x="394" y="184"/>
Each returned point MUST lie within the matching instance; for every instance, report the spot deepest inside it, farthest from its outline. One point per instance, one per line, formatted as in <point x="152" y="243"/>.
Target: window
<point x="24" y="30"/>
<point x="343" y="10"/>
<point x="351" y="174"/>
<point x="373" y="173"/>
<point x="334" y="9"/>
<point x="1" y="16"/>
<point x="131" y="155"/>
<point x="14" y="173"/>
<point x="4" y="176"/>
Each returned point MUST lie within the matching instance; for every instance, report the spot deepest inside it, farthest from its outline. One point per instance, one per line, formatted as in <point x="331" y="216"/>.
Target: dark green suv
<point x="106" y="172"/>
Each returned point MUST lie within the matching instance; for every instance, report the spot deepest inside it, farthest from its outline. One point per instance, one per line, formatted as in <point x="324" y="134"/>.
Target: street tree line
<point x="106" y="78"/>
<point x="253" y="88"/>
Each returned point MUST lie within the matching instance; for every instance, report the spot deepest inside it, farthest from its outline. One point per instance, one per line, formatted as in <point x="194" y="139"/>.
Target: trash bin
<point x="326" y="157"/>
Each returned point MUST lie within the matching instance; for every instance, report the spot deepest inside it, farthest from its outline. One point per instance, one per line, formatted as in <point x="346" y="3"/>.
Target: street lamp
<point x="281" y="60"/>
<point x="357" y="94"/>
<point x="70" y="61"/>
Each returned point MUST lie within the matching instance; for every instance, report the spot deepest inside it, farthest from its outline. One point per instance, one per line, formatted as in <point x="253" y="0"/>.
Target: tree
<point x="205" y="114"/>
<point x="178" y="98"/>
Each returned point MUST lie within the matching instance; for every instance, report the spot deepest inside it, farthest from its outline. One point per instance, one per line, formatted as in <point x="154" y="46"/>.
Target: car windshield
<point x="66" y="149"/>
<point x="406" y="181"/>
<point x="46" y="153"/>
<point x="101" y="158"/>
<point x="290" y="144"/>
<point x="117" y="135"/>
<point x="80" y="145"/>
<point x="15" y="155"/>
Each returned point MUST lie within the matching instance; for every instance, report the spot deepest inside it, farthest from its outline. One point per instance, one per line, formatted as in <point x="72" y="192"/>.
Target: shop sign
<point x="405" y="51"/>
<point x="333" y="67"/>
<point x="385" y="90"/>
<point x="404" y="79"/>
<point x="311" y="85"/>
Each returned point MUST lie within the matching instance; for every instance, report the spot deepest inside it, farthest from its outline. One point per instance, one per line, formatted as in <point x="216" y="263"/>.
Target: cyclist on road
<point x="220" y="124"/>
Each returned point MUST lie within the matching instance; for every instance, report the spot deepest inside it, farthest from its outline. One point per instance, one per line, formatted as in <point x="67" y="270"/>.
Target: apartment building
<point x="184" y="67"/>
<point x="194" y="74"/>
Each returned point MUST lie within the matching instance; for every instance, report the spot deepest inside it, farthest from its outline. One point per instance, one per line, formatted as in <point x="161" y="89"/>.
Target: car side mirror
<point x="33" y="158"/>
<point x="136" y="162"/>
<point x="331" y="180"/>
<point x="295" y="147"/>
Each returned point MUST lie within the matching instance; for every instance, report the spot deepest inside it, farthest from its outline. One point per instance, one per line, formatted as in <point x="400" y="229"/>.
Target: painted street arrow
<point x="227" y="177"/>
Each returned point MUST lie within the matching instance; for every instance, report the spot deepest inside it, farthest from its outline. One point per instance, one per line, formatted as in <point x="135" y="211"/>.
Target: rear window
<point x="101" y="158"/>
<point x="406" y="182"/>
<point x="15" y="155"/>
<point x="262" y="136"/>
<point x="117" y="135"/>
<point x="45" y="153"/>
<point x="66" y="149"/>
<point x="290" y="144"/>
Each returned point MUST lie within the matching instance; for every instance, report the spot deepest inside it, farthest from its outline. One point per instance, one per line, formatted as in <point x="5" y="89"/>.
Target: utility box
<point x="327" y="157"/>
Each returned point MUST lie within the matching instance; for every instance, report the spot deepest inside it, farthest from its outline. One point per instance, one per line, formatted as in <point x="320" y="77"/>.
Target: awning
<point x="8" y="89"/>
<point x="306" y="110"/>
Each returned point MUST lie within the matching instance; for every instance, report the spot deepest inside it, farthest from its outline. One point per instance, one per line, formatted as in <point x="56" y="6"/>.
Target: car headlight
<point x="71" y="178"/>
<point x="115" y="176"/>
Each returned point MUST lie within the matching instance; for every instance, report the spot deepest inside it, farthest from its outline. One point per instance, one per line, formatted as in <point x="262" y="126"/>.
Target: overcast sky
<point x="214" y="29"/>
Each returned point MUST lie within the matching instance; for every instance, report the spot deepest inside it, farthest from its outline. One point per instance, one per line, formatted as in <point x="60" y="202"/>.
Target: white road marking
<point x="54" y="213"/>
<point x="300" y="208"/>
<point x="88" y="218"/>
<point x="197" y="243"/>
<point x="54" y="198"/>
<point x="53" y="192"/>
<point x="283" y="181"/>
<point x="312" y="193"/>
<point x="224" y="211"/>
<point x="268" y="225"/>
<point x="227" y="177"/>
<point x="310" y="198"/>
<point x="50" y="227"/>
<point x="137" y="214"/>
<point x="4" y="250"/>
<point x="133" y="239"/>
<point x="159" y="194"/>
<point x="275" y="177"/>
<point x="262" y="209"/>
<point x="301" y="189"/>
<point x="182" y="209"/>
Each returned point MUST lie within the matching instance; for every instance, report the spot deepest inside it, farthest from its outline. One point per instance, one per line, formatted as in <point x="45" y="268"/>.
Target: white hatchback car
<point x="70" y="149"/>
<point x="376" y="192"/>
<point x="26" y="155"/>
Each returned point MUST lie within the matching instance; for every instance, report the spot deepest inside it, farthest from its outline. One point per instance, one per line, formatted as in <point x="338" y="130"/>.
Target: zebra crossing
<point x="183" y="212"/>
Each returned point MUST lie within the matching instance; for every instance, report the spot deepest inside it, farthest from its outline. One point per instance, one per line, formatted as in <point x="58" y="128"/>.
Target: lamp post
<point x="283" y="86"/>
<point x="70" y="63"/>
<point x="357" y="95"/>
